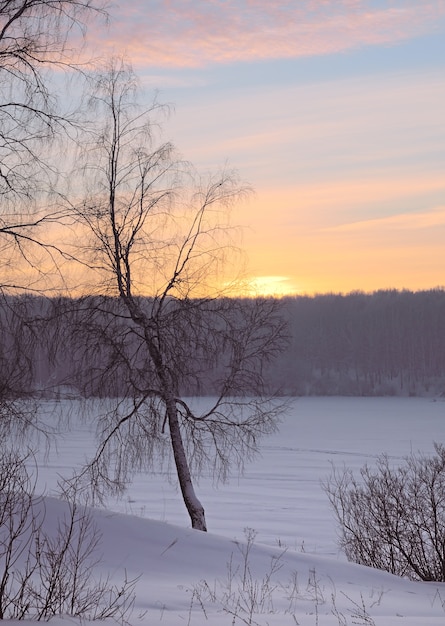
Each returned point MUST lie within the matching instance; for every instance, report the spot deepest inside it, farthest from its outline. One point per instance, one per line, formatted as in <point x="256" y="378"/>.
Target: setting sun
<point x="269" y="286"/>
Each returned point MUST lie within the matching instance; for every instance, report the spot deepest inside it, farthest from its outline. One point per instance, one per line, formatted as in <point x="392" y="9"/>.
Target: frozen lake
<point x="279" y="495"/>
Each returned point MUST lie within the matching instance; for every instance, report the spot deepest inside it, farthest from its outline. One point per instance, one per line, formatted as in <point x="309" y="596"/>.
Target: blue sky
<point x="333" y="110"/>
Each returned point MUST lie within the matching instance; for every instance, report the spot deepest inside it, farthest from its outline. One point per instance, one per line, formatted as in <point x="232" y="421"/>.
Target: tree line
<point x="388" y="342"/>
<point x="385" y="343"/>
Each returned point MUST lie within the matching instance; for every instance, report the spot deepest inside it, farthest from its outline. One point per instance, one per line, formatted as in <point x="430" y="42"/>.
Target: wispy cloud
<point x="321" y="132"/>
<point x="404" y="221"/>
<point x="181" y="33"/>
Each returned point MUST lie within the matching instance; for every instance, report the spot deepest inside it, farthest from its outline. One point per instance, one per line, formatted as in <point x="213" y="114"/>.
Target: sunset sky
<point x="334" y="112"/>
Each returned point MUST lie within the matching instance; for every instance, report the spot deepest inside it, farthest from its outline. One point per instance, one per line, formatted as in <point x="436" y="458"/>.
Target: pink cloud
<point x="179" y="33"/>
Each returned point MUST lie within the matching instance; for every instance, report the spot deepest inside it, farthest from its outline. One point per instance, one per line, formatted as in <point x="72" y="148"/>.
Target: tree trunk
<point x="191" y="501"/>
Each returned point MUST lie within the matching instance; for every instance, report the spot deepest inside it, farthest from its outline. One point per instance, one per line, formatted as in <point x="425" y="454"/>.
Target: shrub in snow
<point x="47" y="572"/>
<point x="393" y="518"/>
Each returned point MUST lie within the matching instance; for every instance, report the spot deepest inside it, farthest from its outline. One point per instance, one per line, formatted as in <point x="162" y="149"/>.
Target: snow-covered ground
<point x="186" y="576"/>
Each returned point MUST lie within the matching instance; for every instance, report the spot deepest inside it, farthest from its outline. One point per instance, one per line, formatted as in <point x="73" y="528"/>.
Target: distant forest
<point x="379" y="344"/>
<point x="384" y="343"/>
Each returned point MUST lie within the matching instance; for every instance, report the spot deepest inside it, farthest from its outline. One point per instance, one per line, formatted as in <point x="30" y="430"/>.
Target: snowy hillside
<point x="180" y="569"/>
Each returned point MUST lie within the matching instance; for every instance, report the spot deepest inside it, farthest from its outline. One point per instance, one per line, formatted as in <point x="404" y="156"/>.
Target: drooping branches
<point x="34" y="36"/>
<point x="35" y="53"/>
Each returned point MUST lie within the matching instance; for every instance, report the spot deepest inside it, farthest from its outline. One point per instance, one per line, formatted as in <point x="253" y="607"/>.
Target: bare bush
<point x="44" y="574"/>
<point x="393" y="518"/>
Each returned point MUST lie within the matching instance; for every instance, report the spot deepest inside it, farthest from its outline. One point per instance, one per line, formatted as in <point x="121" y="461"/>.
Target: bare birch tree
<point x="152" y="237"/>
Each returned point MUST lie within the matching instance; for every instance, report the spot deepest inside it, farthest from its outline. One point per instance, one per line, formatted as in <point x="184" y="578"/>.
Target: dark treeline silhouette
<point x="384" y="343"/>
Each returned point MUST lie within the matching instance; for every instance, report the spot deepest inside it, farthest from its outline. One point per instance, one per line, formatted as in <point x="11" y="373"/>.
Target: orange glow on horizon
<point x="263" y="286"/>
<point x="328" y="241"/>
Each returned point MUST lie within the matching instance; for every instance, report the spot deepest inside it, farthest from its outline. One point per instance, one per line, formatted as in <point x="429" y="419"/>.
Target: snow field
<point x="222" y="577"/>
